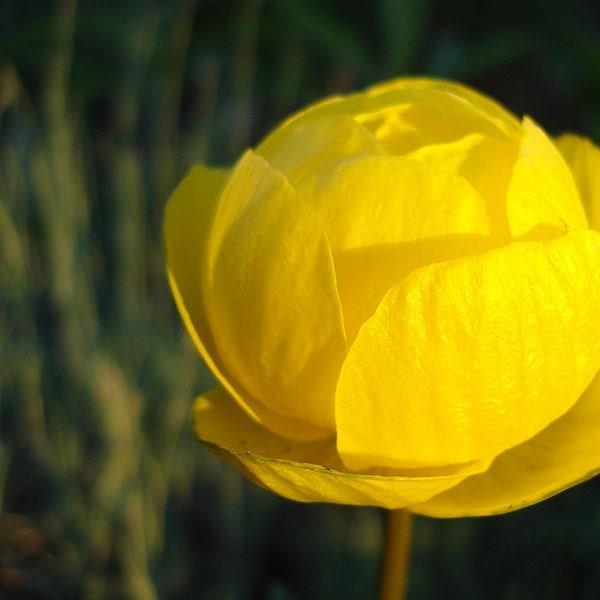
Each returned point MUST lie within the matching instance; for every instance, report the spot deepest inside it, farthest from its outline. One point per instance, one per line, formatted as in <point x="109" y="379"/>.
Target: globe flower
<point x="398" y="292"/>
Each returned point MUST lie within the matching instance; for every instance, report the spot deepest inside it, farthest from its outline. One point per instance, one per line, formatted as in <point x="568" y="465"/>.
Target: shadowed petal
<point x="308" y="471"/>
<point x="583" y="157"/>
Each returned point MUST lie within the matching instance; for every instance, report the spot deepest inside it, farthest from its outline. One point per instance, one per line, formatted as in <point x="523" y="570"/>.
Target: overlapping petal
<point x="407" y="118"/>
<point x="188" y="218"/>
<point x="484" y="106"/>
<point x="386" y="216"/>
<point x="542" y="189"/>
<point x="486" y="163"/>
<point x="378" y="200"/>
<point x="468" y="358"/>
<point x="271" y="297"/>
<point x="405" y="114"/>
<point x="562" y="455"/>
<point x="309" y="471"/>
<point x="583" y="158"/>
<point x="317" y="140"/>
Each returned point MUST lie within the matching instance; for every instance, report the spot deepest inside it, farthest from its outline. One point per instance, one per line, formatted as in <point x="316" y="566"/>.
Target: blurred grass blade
<point x="454" y="57"/>
<point x="404" y="25"/>
<point x="326" y="30"/>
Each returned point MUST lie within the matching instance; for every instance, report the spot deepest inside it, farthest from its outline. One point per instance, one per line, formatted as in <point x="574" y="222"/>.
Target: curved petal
<point x="407" y="118"/>
<point x="583" y="157"/>
<point x="486" y="106"/>
<point x="486" y="163"/>
<point x="407" y="113"/>
<point x="567" y="452"/>
<point x="271" y="296"/>
<point x="365" y="275"/>
<point x="307" y="472"/>
<point x="542" y="189"/>
<point x="317" y="140"/>
<point x="377" y="200"/>
<point x="386" y="216"/>
<point x="188" y="218"/>
<point x="467" y="358"/>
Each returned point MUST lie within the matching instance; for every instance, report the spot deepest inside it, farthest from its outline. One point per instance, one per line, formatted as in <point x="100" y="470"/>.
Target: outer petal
<point x="317" y="140"/>
<point x="307" y="472"/>
<point x="564" y="454"/>
<point x="583" y="157"/>
<point x="542" y="189"/>
<point x="188" y="218"/>
<point x="468" y="358"/>
<point x="271" y="296"/>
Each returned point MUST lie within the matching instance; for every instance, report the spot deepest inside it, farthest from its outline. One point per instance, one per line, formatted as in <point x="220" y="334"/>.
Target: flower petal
<point x="486" y="163"/>
<point x="407" y="113"/>
<point x="467" y="358"/>
<point x="567" y="452"/>
<point x="407" y="118"/>
<point x="487" y="107"/>
<point x="377" y="200"/>
<point x="542" y="189"/>
<point x="583" y="157"/>
<point x="307" y="471"/>
<point x="188" y="217"/>
<point x="365" y="275"/>
<point x="271" y="296"/>
<point x="386" y="216"/>
<point x="317" y="140"/>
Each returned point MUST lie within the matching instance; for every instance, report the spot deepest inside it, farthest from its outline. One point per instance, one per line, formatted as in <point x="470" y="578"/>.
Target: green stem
<point x="394" y="567"/>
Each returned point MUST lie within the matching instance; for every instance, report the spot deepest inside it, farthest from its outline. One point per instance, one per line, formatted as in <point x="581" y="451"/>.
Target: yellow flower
<point x="399" y="294"/>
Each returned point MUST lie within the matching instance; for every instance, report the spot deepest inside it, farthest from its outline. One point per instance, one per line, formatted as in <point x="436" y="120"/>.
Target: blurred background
<point x="103" y="108"/>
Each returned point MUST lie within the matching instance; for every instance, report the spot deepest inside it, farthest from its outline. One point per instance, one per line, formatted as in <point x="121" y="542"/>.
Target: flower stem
<point x="394" y="567"/>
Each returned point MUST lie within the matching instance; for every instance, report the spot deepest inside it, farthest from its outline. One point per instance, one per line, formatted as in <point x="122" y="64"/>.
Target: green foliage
<point x="103" y="107"/>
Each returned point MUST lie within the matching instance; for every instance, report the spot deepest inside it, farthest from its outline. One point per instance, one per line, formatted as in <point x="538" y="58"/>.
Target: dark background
<point x="103" y="107"/>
